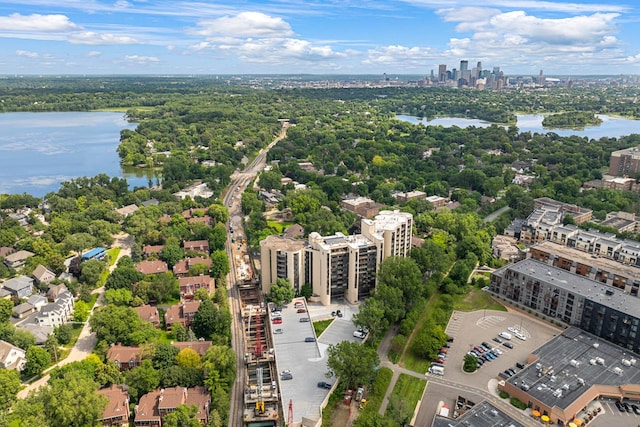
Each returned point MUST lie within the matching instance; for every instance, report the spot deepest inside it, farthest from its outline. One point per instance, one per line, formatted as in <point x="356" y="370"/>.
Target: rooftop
<point x="483" y="414"/>
<point x="570" y="363"/>
<point x="605" y="295"/>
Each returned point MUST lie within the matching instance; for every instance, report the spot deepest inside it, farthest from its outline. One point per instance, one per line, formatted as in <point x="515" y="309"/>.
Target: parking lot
<point x="612" y="416"/>
<point x="471" y="329"/>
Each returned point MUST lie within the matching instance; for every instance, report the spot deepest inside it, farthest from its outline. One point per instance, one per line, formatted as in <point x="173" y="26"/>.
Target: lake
<point x="612" y="127"/>
<point x="38" y="151"/>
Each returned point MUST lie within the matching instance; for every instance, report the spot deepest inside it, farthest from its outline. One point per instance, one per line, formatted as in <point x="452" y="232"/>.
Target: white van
<point x="505" y="335"/>
<point x="436" y="370"/>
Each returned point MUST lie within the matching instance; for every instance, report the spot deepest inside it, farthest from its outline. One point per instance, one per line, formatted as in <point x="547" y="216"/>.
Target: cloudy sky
<point x="317" y="36"/>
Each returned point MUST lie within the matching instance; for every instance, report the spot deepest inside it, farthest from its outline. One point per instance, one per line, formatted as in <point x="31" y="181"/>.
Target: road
<point x="86" y="340"/>
<point x="239" y="181"/>
<point x="493" y="215"/>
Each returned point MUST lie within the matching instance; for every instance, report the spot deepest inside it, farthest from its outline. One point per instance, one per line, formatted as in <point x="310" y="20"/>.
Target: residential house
<point x="363" y="206"/>
<point x="506" y="248"/>
<point x="21" y="311"/>
<point x="17" y="259"/>
<point x="150" y="202"/>
<point x="116" y="414"/>
<point x="127" y="210"/>
<point x="206" y="220"/>
<point x="438" y="201"/>
<point x="193" y="213"/>
<point x="21" y="286"/>
<point x="182" y="267"/>
<point x="182" y="313"/>
<point x="149" y="314"/>
<point x="189" y="285"/>
<point x="404" y="197"/>
<point x="40" y="332"/>
<point x="152" y="267"/>
<point x="125" y="357"/>
<point x="58" y="312"/>
<point x="38" y="301"/>
<point x="12" y="357"/>
<point x="5" y="250"/>
<point x="43" y="275"/>
<point x="295" y="231"/>
<point x="155" y="405"/>
<point x="197" y="245"/>
<point x="193" y="191"/>
<point x="54" y="290"/>
<point x="199" y="346"/>
<point x="149" y="250"/>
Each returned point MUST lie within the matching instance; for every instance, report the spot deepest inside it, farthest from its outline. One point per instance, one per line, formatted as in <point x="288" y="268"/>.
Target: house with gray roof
<point x="21" y="286"/>
<point x="38" y="301"/>
<point x="40" y="332"/>
<point x="58" y="312"/>
<point x="17" y="259"/>
<point x="42" y="274"/>
<point x="21" y="311"/>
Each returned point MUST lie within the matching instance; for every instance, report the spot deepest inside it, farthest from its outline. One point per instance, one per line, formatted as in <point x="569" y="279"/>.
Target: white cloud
<point x="399" y="55"/>
<point x="36" y="22"/>
<point x="141" y="60"/>
<point x="546" y="6"/>
<point x="27" y="54"/>
<point x="93" y="38"/>
<point x="94" y="53"/>
<point x="245" y="24"/>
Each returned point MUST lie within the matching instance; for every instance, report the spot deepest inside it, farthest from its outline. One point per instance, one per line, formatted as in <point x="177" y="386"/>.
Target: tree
<point x="80" y="311"/>
<point x="182" y="416"/>
<point x="115" y="324"/>
<point x="90" y="271"/>
<point x="404" y="274"/>
<point x="9" y="387"/>
<point x="306" y="291"/>
<point x="63" y="333"/>
<point x="209" y="322"/>
<point x="281" y="292"/>
<point x="172" y="252"/>
<point x="142" y="379"/>
<point x="51" y="345"/>
<point x="219" y="213"/>
<point x="164" y="356"/>
<point x="219" y="264"/>
<point x="470" y="363"/>
<point x="354" y="363"/>
<point x="120" y="296"/>
<point x="188" y="358"/>
<point x="219" y="366"/>
<point x="73" y="401"/>
<point x="37" y="360"/>
<point x="6" y="309"/>
<point x="429" y="340"/>
<point x="123" y="277"/>
<point x="372" y="316"/>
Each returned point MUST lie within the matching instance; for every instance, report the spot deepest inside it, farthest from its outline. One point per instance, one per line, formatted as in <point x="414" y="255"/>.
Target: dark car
<point x="323" y="384"/>
<point x="304" y="319"/>
<point x="507" y="373"/>
<point x="301" y="310"/>
<point x="309" y="339"/>
<point x="512" y="371"/>
<point x="507" y="344"/>
<point x="627" y="407"/>
<point x="486" y="344"/>
<point x="635" y="408"/>
<point x="619" y="406"/>
<point x="498" y="340"/>
<point x="520" y="365"/>
<point x="450" y="339"/>
<point x="338" y="313"/>
<point x="286" y="375"/>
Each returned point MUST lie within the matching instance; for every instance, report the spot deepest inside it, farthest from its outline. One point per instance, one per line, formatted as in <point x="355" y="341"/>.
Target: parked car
<point x="635" y="408"/>
<point x="520" y="336"/>
<point x="512" y="371"/>
<point x="507" y="344"/>
<point x="442" y="355"/>
<point x="304" y="319"/>
<point x="444" y="350"/>
<point x="359" y="334"/>
<point x="498" y="340"/>
<point x="496" y="351"/>
<point x="439" y="360"/>
<point x="338" y="313"/>
<point x="298" y="304"/>
<point x="286" y="375"/>
<point x="478" y="349"/>
<point x="619" y="406"/>
<point x="276" y="313"/>
<point x="333" y="314"/>
<point x="301" y="310"/>
<point x="507" y="373"/>
<point x="450" y="339"/>
<point x="520" y="365"/>
<point x="323" y="384"/>
<point x="277" y="321"/>
<point x="309" y="339"/>
<point x="278" y="331"/>
<point x="626" y="406"/>
<point x="512" y="329"/>
<point x="486" y="344"/>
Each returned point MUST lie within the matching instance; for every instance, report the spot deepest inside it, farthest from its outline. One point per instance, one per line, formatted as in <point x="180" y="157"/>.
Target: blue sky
<point x="318" y="37"/>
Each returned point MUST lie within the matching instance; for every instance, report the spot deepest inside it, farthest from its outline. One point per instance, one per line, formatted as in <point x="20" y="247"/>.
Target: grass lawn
<point x="410" y="360"/>
<point x="75" y="334"/>
<point x="112" y="255"/>
<point x="321" y="325"/>
<point x="477" y="299"/>
<point x="279" y="226"/>
<point x="407" y="392"/>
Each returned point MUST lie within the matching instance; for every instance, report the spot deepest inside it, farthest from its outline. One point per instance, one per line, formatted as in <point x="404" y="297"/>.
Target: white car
<point x="520" y="336"/>
<point x="359" y="334"/>
<point x="496" y="350"/>
<point x="512" y="329"/>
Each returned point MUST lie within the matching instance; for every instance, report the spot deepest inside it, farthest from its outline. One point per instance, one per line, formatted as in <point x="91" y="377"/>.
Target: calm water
<point x="612" y="127"/>
<point x="40" y="150"/>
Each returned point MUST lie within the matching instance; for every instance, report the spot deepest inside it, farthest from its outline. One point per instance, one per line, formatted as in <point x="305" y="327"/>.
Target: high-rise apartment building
<point x="337" y="265"/>
<point x="625" y="162"/>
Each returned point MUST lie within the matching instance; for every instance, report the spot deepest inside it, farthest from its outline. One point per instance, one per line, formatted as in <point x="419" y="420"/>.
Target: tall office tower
<point x="479" y="67"/>
<point x="496" y="71"/>
<point x="464" y="66"/>
<point x="541" y="79"/>
<point x="442" y="72"/>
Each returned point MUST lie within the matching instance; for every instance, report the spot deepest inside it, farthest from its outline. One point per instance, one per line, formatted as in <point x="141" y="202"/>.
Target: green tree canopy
<point x="354" y="363"/>
<point x="281" y="292"/>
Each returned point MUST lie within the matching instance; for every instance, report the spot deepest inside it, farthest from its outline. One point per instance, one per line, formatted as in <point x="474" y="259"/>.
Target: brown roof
<point x="175" y="313"/>
<point x="206" y="220"/>
<point x="4" y="251"/>
<point x="146" y="409"/>
<point x="196" y="245"/>
<point x="124" y="354"/>
<point x="118" y="405"/>
<point x="148" y="313"/>
<point x="182" y="266"/>
<point x="195" y="280"/>
<point x="152" y="267"/>
<point x="199" y="347"/>
<point x="152" y="249"/>
<point x="189" y="213"/>
<point x="172" y="397"/>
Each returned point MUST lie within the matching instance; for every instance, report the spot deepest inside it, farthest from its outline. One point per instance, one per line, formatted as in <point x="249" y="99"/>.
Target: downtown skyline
<point x="42" y="37"/>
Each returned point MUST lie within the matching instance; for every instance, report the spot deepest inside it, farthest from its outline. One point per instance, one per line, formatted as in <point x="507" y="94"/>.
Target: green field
<point x="405" y="396"/>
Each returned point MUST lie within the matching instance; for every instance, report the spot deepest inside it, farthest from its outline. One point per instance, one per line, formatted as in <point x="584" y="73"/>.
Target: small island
<point x="572" y="119"/>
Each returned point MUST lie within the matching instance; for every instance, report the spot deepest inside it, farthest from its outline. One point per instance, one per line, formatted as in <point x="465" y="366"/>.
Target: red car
<point x="438" y="360"/>
<point x="277" y="321"/>
<point x="302" y="310"/>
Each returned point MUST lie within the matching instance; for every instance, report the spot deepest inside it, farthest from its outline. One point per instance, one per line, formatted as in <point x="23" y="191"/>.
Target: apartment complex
<point x="337" y="265"/>
<point x="625" y="162"/>
<point x="598" y="308"/>
<point x="571" y="370"/>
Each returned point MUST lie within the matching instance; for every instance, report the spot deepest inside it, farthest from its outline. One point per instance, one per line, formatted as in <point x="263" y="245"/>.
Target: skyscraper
<point x="442" y="72"/>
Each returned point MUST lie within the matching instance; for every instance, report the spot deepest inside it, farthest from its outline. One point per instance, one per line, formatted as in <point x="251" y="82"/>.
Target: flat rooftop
<point x="483" y="414"/>
<point x="601" y="263"/>
<point x="570" y="363"/>
<point x="605" y="295"/>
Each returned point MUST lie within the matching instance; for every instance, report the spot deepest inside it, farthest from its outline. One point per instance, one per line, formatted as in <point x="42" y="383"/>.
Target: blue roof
<point x="93" y="252"/>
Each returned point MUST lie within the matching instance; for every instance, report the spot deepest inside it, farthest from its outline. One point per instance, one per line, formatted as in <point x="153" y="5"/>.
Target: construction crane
<point x="260" y="402"/>
<point x="259" y="348"/>
<point x="290" y="416"/>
